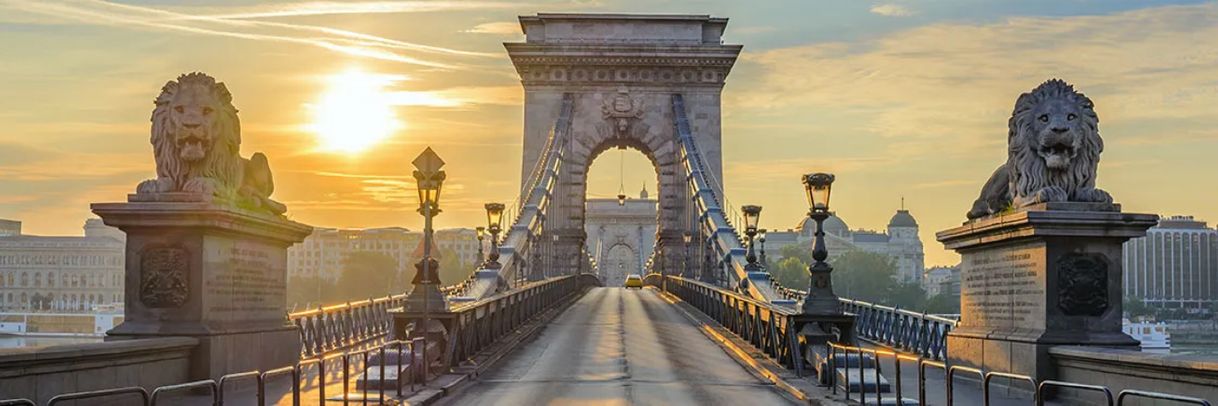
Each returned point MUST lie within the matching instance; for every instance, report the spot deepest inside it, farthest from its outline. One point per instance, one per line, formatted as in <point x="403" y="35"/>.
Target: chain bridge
<point x="534" y="324"/>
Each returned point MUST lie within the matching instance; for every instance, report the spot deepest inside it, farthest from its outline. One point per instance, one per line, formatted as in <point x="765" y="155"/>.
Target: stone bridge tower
<point x="621" y="71"/>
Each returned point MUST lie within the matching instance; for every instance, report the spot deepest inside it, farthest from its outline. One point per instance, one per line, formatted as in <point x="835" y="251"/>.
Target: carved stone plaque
<point x="1082" y="281"/>
<point x="164" y="276"/>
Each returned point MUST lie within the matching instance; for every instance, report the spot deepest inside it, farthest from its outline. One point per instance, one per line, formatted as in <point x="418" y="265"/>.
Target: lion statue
<point x="1054" y="146"/>
<point x="196" y="138"/>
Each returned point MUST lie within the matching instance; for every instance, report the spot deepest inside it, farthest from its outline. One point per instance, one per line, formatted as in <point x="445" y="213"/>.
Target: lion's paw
<point x="1093" y="195"/>
<point x="204" y="186"/>
<point x="158" y="185"/>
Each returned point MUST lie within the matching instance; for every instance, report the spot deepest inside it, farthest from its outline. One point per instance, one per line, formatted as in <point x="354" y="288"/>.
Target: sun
<point x="355" y="112"/>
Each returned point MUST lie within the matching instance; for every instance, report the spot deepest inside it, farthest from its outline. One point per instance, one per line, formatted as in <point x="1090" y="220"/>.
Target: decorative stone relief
<point x="164" y="276"/>
<point x="1082" y="281"/>
<point x="622" y="110"/>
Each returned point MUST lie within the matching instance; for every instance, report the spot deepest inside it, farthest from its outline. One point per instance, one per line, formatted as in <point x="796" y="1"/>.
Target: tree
<point x="906" y="296"/>
<point x="453" y="268"/>
<point x="943" y="303"/>
<point x="791" y="272"/>
<point x="367" y="274"/>
<point x="863" y="275"/>
<point x="1134" y="309"/>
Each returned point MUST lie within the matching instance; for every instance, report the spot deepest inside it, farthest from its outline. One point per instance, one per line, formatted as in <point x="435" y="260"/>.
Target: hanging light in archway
<point x="621" y="185"/>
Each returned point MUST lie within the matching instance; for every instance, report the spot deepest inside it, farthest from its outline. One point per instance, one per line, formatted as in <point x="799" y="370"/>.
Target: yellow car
<point x="634" y="281"/>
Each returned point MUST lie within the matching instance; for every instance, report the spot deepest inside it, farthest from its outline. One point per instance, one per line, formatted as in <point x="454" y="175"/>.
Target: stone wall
<point x="43" y="372"/>
<point x="1187" y="375"/>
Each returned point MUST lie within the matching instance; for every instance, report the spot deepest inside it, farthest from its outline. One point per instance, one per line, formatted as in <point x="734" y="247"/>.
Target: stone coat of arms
<point x="621" y="110"/>
<point x="163" y="277"/>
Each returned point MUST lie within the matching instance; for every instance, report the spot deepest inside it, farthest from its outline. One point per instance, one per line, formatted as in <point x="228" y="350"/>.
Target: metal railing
<point x="768" y="327"/>
<point x="1037" y="390"/>
<point x="917" y="333"/>
<point x="346" y="325"/>
<point x="475" y="326"/>
<point x="478" y="324"/>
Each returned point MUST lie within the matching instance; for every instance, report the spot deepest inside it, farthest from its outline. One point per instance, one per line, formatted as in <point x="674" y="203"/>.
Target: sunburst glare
<point x="355" y="112"/>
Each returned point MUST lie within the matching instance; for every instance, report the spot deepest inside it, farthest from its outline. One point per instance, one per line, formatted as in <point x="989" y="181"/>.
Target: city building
<point x="63" y="274"/>
<point x="900" y="241"/>
<point x="322" y="253"/>
<point x="1175" y="266"/>
<point x="942" y="279"/>
<point x="620" y="237"/>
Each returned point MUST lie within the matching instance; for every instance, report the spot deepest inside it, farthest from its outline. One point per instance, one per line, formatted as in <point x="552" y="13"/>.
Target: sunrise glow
<point x="354" y="113"/>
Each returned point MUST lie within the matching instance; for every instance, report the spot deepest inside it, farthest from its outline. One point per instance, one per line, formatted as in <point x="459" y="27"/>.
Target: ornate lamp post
<point x="687" y="238"/>
<point x="481" y="235"/>
<point x="761" y="239"/>
<point x="494" y="221"/>
<point x="751" y="215"/>
<point x="426" y="281"/>
<point x="820" y="299"/>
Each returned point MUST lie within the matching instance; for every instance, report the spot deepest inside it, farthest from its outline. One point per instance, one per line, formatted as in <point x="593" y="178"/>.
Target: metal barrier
<point x="1040" y="389"/>
<point x="133" y="390"/>
<point x="918" y="333"/>
<point x="985" y="383"/>
<point x="19" y="402"/>
<point x="262" y="378"/>
<point x="950" y="385"/>
<point x="342" y="326"/>
<point x="240" y="375"/>
<point x="207" y="383"/>
<point x="1159" y="396"/>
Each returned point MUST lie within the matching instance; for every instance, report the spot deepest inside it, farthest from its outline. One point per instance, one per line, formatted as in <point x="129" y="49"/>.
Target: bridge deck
<point x="618" y="346"/>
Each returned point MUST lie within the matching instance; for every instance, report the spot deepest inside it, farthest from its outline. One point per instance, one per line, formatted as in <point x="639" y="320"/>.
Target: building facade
<point x="63" y="274"/>
<point x="1175" y="266"/>
<point x="620" y="237"/>
<point x="322" y="253"/>
<point x="900" y="242"/>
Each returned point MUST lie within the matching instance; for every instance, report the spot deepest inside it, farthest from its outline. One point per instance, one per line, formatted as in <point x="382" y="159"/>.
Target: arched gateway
<point x="620" y="73"/>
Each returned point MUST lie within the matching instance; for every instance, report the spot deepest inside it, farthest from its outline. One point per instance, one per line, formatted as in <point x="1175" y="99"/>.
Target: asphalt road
<point x="618" y="346"/>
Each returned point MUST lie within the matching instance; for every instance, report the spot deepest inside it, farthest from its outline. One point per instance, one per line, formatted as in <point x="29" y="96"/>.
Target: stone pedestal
<point x="1030" y="280"/>
<point x="208" y="271"/>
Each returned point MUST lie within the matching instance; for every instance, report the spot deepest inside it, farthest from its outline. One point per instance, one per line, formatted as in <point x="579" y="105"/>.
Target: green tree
<point x="863" y="275"/>
<point x="1134" y="308"/>
<point x="453" y="268"/>
<point x="942" y="303"/>
<point x="908" y="296"/>
<point x="367" y="274"/>
<point x="791" y="272"/>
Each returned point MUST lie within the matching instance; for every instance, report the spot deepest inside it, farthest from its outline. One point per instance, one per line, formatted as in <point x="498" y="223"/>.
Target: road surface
<point x="618" y="346"/>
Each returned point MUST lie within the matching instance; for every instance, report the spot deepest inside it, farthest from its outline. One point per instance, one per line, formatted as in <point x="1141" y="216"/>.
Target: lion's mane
<point x="222" y="163"/>
<point x="1029" y="173"/>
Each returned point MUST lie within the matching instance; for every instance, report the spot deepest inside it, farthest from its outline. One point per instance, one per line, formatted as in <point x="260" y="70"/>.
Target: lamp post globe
<point x="820" y="299"/>
<point x="494" y="223"/>
<point x="751" y="215"/>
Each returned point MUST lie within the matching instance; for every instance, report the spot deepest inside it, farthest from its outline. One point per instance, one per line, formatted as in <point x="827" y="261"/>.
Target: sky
<point x="900" y="99"/>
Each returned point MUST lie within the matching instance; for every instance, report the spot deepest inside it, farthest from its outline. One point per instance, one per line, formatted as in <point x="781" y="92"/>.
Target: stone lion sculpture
<point x="196" y="138"/>
<point x="1054" y="147"/>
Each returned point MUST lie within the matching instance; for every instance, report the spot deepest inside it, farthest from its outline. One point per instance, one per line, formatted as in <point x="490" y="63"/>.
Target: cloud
<point x="891" y="10"/>
<point x="342" y="41"/>
<point x="315" y="8"/>
<point x="497" y="28"/>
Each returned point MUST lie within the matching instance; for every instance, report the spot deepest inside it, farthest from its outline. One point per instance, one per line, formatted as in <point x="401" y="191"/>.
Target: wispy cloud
<point x="891" y="10"/>
<point x="497" y="28"/>
<point x="99" y="12"/>
<point x="315" y="8"/>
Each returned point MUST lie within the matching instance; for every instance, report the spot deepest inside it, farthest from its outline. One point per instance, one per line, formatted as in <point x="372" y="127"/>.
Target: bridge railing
<point x="912" y="332"/>
<point x="714" y="215"/>
<point x="527" y="214"/>
<point x="351" y="324"/>
<point x="769" y="327"/>
<point x="478" y="324"/>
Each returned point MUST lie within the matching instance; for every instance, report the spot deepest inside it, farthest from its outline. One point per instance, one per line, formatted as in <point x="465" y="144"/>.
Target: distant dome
<point x="643" y="194"/>
<point x="833" y="226"/>
<point x="902" y="219"/>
